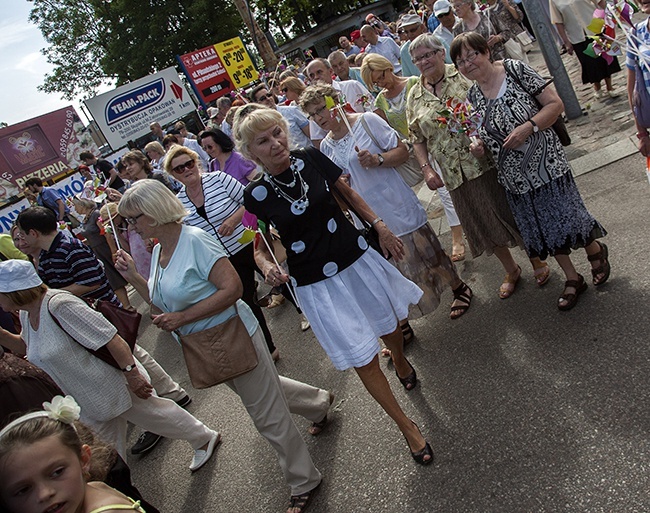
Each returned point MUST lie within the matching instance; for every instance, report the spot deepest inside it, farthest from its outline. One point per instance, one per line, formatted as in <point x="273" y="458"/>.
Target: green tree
<point x="94" y="41"/>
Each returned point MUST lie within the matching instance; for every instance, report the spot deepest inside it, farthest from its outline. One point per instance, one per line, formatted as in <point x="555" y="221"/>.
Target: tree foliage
<point x="94" y="41"/>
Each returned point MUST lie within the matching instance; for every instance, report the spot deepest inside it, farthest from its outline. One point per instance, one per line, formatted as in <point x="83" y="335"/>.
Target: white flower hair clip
<point x="64" y="409"/>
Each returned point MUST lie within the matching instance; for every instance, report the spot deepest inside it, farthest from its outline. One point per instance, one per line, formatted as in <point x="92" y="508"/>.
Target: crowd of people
<point x="326" y="157"/>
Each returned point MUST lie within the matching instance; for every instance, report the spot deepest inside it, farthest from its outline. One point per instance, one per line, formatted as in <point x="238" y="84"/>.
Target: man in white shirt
<point x="382" y="45"/>
<point x="319" y="70"/>
<point x="442" y="10"/>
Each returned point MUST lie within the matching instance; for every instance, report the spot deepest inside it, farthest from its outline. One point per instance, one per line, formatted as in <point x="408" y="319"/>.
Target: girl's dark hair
<point x="225" y="143"/>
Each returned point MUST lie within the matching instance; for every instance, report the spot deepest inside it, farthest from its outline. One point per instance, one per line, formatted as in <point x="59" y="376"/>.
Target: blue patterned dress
<point x="541" y="192"/>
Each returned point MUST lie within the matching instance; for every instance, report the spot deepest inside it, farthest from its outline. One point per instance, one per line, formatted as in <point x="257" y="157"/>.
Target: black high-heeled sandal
<point x="419" y="456"/>
<point x="410" y="381"/>
<point x="407" y="333"/>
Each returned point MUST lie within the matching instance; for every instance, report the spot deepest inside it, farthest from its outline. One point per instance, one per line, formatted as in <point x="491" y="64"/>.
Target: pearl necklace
<point x="299" y="205"/>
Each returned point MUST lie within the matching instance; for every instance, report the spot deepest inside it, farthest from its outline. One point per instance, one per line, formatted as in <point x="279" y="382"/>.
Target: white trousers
<point x="445" y="198"/>
<point x="162" y="382"/>
<point x="261" y="392"/>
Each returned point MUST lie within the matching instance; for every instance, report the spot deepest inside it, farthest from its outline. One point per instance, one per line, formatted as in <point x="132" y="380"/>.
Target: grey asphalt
<point x="528" y="409"/>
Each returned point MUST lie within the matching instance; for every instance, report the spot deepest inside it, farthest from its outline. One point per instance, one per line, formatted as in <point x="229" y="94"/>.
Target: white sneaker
<point x="599" y="94"/>
<point x="201" y="457"/>
<point x="612" y="94"/>
<point x="304" y="324"/>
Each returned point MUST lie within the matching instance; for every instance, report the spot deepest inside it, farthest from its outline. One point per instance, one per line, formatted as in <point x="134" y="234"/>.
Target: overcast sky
<point x="22" y="67"/>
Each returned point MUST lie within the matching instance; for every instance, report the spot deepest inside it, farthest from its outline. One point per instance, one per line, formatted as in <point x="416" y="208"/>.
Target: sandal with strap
<point x="572" y="298"/>
<point x="317" y="427"/>
<point x="419" y="456"/>
<point x="300" y="502"/>
<point x="410" y="381"/>
<point x="542" y="274"/>
<point x="461" y="293"/>
<point x="407" y="333"/>
<point x="509" y="284"/>
<point x="604" y="267"/>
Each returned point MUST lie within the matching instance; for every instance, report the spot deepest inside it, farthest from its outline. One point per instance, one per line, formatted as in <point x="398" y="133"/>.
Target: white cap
<point x="441" y="7"/>
<point x="18" y="275"/>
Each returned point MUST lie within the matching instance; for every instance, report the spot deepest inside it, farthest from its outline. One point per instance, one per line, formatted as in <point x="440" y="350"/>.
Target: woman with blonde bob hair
<point x="209" y="296"/>
<point x="349" y="293"/>
<point x="292" y="87"/>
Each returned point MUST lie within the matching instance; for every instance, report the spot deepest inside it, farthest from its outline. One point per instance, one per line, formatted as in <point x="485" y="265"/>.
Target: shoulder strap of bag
<point x="372" y="137"/>
<point x="511" y="73"/>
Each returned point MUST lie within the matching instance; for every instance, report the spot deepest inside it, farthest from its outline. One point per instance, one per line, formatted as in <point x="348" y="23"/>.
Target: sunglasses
<point x="265" y="97"/>
<point x="182" y="167"/>
<point x="284" y="90"/>
<point x="443" y="15"/>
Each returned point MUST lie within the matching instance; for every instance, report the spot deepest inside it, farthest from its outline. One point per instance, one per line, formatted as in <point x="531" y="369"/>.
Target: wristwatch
<point x="380" y="158"/>
<point x="535" y="127"/>
<point x="129" y="368"/>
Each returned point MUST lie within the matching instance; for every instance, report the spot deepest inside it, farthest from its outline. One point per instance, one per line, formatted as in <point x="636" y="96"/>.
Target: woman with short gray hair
<point x="490" y="27"/>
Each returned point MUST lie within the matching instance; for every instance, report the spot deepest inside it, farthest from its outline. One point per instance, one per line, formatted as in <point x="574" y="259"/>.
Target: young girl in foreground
<point x="43" y="466"/>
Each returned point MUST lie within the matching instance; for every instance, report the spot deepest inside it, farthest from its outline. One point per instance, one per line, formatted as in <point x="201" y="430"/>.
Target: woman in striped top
<point x="214" y="202"/>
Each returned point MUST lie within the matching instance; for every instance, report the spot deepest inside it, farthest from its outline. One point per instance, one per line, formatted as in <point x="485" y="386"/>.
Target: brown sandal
<point x="509" y="285"/>
<point x="604" y="267"/>
<point x="572" y="299"/>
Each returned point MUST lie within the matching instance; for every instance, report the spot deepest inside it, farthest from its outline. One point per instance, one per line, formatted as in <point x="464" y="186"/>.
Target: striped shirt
<point x="223" y="196"/>
<point x="68" y="261"/>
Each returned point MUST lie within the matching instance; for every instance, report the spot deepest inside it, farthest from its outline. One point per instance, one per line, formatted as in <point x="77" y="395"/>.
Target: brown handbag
<point x="218" y="354"/>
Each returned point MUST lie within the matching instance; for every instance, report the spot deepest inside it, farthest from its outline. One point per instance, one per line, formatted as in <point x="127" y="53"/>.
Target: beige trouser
<point x="162" y="382"/>
<point x="260" y="391"/>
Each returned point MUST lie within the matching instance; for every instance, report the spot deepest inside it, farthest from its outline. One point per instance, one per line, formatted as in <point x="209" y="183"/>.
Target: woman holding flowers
<point x="349" y="293"/>
<point x="518" y="111"/>
<point x="480" y="202"/>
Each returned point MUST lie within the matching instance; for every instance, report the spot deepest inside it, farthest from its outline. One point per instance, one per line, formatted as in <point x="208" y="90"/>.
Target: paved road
<point x="528" y="409"/>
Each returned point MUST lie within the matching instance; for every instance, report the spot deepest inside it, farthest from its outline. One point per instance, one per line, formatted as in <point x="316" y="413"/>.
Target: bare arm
<point x="390" y="243"/>
<point x="642" y="132"/>
<point x="60" y="205"/>
<point x="430" y="176"/>
<point x="13" y="342"/>
<point x="126" y="267"/>
<point x="229" y="224"/>
<point x="395" y="157"/>
<point x="552" y="107"/>
<point x="120" y="350"/>
<point x="562" y="31"/>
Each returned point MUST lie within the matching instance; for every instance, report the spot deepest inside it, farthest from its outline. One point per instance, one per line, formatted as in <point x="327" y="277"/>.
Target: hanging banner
<point x="238" y="63"/>
<point x="205" y="71"/>
<point x="42" y="147"/>
<point x="124" y="114"/>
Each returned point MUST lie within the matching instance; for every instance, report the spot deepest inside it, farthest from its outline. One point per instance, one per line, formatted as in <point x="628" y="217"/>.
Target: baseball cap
<point x="354" y="35"/>
<point x="441" y="7"/>
<point x="18" y="275"/>
<point x="410" y="19"/>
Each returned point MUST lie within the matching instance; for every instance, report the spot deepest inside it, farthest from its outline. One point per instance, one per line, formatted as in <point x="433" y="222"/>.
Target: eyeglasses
<point x="382" y="77"/>
<point x="133" y="220"/>
<point x="182" y="167"/>
<point x="265" y="97"/>
<point x="425" y="56"/>
<point x="320" y="113"/>
<point x="471" y="57"/>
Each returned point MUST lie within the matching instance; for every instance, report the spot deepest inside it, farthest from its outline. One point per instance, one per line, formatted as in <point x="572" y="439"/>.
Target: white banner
<point x="69" y="186"/>
<point x="125" y="113"/>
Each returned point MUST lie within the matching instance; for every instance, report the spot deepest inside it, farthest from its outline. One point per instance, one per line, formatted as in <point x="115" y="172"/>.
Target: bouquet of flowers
<point x="460" y="117"/>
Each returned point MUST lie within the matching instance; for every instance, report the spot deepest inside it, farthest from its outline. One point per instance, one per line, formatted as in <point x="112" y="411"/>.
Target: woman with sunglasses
<point x="214" y="203"/>
<point x="292" y="88"/>
<point x="480" y="202"/>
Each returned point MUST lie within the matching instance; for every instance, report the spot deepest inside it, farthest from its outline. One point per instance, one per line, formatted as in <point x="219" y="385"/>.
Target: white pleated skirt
<point x="351" y="310"/>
